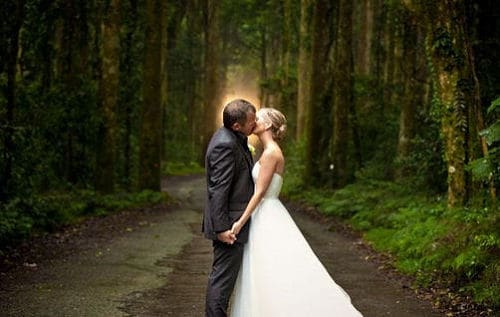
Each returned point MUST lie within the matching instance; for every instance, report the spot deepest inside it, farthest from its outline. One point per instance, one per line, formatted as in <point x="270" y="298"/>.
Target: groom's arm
<point x="221" y="172"/>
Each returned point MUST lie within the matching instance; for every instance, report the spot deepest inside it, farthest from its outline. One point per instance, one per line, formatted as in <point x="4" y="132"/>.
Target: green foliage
<point x="494" y="106"/>
<point x="487" y="169"/>
<point x="444" y="48"/>
<point x="424" y="166"/>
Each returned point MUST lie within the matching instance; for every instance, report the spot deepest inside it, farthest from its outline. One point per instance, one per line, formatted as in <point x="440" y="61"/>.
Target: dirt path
<point x="155" y="263"/>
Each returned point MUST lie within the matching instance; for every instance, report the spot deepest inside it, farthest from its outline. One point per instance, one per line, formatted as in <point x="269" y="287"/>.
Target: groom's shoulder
<point x="223" y="135"/>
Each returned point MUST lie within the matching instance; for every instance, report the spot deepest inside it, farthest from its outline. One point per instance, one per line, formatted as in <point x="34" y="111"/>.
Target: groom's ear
<point x="236" y="126"/>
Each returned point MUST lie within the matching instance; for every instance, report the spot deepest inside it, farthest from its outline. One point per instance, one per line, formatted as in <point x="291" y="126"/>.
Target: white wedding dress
<point x="280" y="274"/>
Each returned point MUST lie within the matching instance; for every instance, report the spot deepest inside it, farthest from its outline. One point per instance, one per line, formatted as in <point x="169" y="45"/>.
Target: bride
<point x="280" y="274"/>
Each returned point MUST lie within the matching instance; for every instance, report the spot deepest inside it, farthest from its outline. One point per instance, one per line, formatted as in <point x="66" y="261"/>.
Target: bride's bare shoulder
<point x="272" y="155"/>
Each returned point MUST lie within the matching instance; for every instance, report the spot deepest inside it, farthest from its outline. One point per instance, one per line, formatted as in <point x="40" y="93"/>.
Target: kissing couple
<point x="260" y="257"/>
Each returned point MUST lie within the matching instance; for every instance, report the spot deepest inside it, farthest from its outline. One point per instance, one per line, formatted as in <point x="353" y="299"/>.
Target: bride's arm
<point x="268" y="163"/>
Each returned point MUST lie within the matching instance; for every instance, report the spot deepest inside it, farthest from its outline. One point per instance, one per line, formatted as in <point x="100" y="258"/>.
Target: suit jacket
<point x="228" y="165"/>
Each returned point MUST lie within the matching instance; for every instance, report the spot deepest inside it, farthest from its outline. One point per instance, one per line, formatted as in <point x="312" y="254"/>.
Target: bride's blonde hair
<point x="277" y="121"/>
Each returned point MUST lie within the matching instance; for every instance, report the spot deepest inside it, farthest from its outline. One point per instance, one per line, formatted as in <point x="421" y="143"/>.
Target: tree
<point x="304" y="67"/>
<point x="212" y="80"/>
<point x="151" y="119"/>
<point x="318" y="131"/>
<point x="446" y="40"/>
<point x="108" y="84"/>
<point x="344" y="100"/>
<point x="413" y="97"/>
<point x="287" y="84"/>
<point x="128" y="103"/>
<point x="11" y="25"/>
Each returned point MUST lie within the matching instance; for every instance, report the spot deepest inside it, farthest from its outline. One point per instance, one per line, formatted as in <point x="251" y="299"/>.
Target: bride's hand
<point x="236" y="227"/>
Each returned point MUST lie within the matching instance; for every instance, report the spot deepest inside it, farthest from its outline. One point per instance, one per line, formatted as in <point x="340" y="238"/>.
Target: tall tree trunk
<point x="304" y="67"/>
<point x="448" y="59"/>
<point x="193" y="88"/>
<point x="178" y="10"/>
<point x="377" y="62"/>
<point x="164" y="77"/>
<point x="264" y="92"/>
<point x="151" y="123"/>
<point x="10" y="90"/>
<point x="363" y="34"/>
<point x="318" y="130"/>
<point x="106" y="148"/>
<point x="390" y="62"/>
<point x="126" y="99"/>
<point x="71" y="54"/>
<point x="211" y="62"/>
<point x="343" y="94"/>
<point x="365" y="38"/>
<point x="411" y="96"/>
<point x="287" y="102"/>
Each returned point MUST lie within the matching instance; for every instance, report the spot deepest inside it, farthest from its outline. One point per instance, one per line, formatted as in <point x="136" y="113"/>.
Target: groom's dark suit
<point x="228" y="164"/>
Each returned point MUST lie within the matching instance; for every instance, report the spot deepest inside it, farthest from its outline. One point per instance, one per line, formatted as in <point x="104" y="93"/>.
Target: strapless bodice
<point x="274" y="188"/>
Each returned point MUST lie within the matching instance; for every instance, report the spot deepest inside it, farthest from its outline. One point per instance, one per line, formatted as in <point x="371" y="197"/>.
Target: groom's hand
<point x="227" y="237"/>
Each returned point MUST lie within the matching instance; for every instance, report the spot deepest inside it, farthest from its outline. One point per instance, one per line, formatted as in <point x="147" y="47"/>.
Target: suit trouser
<point x="225" y="268"/>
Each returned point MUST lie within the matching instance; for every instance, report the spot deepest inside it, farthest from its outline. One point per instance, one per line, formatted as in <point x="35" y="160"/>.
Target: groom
<point x="228" y="165"/>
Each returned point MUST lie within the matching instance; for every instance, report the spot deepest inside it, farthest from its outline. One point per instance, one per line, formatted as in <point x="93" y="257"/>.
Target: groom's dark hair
<point x="236" y="111"/>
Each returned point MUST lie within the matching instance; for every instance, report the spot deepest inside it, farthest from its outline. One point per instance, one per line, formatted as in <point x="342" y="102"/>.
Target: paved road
<point x="159" y="268"/>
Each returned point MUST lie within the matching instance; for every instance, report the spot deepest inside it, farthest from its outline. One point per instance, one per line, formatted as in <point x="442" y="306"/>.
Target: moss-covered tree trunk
<point x="449" y="66"/>
<point x="108" y="86"/>
<point x="151" y="118"/>
<point x="211" y="63"/>
<point x="343" y="95"/>
<point x="304" y="66"/>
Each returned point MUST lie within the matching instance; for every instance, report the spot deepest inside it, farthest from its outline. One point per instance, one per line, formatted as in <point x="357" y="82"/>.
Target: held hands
<point x="227" y="236"/>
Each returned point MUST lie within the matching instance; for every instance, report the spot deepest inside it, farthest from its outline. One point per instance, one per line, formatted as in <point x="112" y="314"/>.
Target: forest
<point x="393" y="111"/>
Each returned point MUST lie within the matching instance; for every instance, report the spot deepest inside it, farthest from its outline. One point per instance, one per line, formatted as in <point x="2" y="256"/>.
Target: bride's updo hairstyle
<point x="277" y="121"/>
